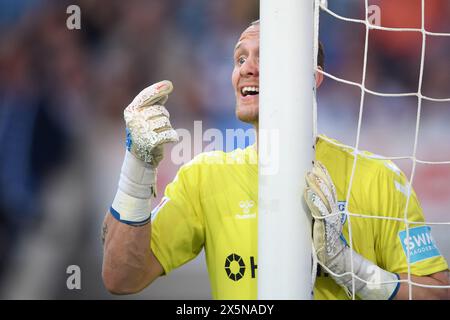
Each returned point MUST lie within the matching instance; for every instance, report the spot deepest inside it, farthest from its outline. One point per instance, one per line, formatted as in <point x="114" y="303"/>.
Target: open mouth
<point x="249" y="91"/>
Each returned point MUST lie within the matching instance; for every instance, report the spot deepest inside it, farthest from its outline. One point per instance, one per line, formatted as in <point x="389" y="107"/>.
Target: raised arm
<point x="128" y="262"/>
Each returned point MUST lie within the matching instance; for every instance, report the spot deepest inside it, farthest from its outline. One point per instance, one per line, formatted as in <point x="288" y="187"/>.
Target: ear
<point x="319" y="78"/>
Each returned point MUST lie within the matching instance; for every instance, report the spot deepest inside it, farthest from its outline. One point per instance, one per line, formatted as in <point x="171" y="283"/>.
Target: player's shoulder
<point x="371" y="164"/>
<point x="217" y="159"/>
<point x="206" y="158"/>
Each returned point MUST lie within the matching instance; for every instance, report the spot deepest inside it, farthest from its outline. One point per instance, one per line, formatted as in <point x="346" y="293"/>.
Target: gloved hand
<point x="148" y="125"/>
<point x="321" y="197"/>
<point x="148" y="129"/>
<point x="330" y="245"/>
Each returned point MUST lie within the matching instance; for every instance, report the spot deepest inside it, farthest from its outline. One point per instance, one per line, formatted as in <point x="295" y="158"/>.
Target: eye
<point x="241" y="60"/>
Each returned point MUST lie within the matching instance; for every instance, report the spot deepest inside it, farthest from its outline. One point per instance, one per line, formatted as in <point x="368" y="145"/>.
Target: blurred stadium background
<point x="62" y="93"/>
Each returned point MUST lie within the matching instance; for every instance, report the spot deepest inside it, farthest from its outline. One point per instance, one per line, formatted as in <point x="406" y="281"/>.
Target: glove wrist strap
<point x="137" y="185"/>
<point x="378" y="284"/>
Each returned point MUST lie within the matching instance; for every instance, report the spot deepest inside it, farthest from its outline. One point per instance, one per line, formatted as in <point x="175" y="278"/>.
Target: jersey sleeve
<point x="393" y="241"/>
<point x="177" y="226"/>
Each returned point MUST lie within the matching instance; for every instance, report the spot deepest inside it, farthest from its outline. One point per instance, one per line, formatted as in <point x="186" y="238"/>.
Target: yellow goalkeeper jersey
<point x="213" y="204"/>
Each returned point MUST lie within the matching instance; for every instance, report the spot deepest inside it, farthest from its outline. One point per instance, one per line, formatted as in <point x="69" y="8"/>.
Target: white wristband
<point x="137" y="184"/>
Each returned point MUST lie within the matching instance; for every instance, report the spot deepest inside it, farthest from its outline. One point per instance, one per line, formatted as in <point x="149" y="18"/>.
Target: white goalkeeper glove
<point x="330" y="246"/>
<point x="148" y="129"/>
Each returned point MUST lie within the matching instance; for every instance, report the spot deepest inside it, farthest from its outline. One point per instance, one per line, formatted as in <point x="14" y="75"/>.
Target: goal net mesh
<point x="409" y="105"/>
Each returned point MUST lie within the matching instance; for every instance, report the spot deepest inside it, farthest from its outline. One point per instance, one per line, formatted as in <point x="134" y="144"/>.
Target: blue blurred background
<point x="62" y="94"/>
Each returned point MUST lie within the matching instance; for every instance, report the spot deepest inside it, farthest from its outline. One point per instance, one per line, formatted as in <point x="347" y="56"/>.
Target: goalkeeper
<point x="212" y="204"/>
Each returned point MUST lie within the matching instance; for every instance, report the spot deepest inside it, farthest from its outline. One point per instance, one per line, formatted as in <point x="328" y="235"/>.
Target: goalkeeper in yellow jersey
<point x="212" y="204"/>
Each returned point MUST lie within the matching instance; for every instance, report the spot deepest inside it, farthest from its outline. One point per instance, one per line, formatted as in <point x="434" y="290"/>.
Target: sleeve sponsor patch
<point x="421" y="244"/>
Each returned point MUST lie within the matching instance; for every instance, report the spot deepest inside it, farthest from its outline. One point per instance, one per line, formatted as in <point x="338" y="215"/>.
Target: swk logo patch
<point x="420" y="242"/>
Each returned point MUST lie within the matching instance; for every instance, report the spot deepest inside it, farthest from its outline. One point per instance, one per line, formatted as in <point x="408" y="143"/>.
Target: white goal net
<point x="387" y="90"/>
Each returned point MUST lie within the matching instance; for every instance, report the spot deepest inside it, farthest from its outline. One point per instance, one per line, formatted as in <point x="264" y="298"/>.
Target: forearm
<point x="392" y="287"/>
<point x="424" y="293"/>
<point x="127" y="256"/>
<point x="128" y="262"/>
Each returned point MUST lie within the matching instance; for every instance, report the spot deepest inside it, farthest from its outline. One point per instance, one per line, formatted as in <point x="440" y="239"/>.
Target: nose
<point x="250" y="67"/>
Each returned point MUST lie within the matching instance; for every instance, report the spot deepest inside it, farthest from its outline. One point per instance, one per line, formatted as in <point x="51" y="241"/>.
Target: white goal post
<point x="287" y="127"/>
<point x="285" y="148"/>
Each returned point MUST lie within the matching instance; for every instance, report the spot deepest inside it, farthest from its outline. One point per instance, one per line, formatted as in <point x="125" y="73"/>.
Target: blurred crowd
<point x="62" y="94"/>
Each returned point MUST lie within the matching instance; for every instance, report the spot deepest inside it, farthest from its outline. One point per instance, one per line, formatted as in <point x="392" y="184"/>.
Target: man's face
<point x="245" y="77"/>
